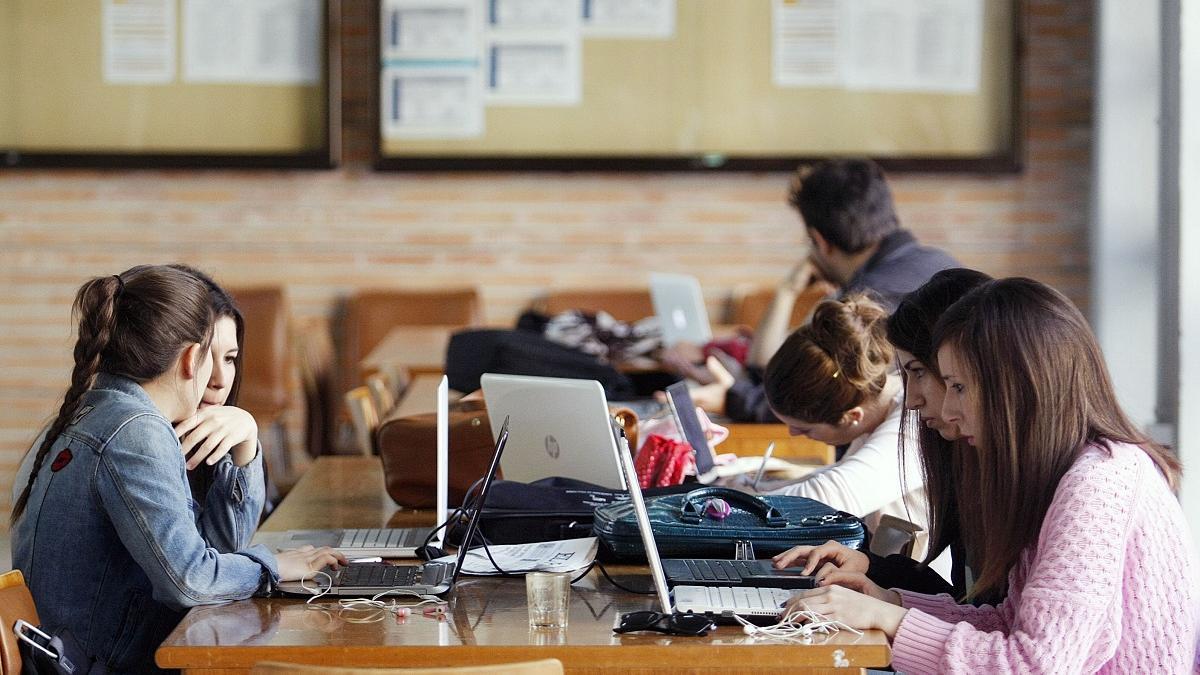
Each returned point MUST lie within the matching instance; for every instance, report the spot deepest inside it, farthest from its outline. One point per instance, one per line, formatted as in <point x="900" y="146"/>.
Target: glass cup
<point x="548" y="595"/>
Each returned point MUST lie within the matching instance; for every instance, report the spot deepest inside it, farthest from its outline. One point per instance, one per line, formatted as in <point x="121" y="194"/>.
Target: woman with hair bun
<point x="833" y="381"/>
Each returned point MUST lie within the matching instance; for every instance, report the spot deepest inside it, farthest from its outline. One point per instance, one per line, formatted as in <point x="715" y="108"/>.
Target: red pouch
<point x="663" y="462"/>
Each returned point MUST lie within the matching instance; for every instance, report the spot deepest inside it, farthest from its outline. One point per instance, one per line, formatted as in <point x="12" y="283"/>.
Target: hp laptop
<point x="431" y="578"/>
<point x="560" y="428"/>
<point x="382" y="542"/>
<point x="749" y="602"/>
<point x="679" y="305"/>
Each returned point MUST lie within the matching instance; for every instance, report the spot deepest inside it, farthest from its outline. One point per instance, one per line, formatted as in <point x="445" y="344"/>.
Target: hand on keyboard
<point x="304" y="562"/>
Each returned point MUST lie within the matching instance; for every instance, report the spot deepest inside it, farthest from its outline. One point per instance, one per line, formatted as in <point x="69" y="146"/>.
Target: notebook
<point x="382" y="542"/>
<point x="750" y="602"/>
<point x="560" y="428"/>
<point x="431" y="578"/>
<point x="679" y="306"/>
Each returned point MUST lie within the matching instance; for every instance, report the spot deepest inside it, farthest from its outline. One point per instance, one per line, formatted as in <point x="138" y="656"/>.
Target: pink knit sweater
<point x="1110" y="586"/>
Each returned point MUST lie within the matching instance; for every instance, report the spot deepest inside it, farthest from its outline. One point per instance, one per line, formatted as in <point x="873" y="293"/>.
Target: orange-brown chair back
<point x="624" y="304"/>
<point x="15" y="603"/>
<point x="265" y="368"/>
<point x="371" y="314"/>
<point x="748" y="309"/>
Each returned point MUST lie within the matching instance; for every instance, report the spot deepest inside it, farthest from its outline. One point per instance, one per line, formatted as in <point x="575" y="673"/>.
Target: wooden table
<point x="420" y="349"/>
<point x="486" y="621"/>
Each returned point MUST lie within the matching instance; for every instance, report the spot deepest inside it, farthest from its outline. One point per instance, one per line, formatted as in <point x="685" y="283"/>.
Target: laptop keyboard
<point x="379" y="575"/>
<point x="720" y="570"/>
<point x="381" y="538"/>
<point x="747" y="597"/>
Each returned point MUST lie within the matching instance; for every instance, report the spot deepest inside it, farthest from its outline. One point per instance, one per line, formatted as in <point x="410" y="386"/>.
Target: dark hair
<point x="133" y="325"/>
<point x="1041" y="394"/>
<point x="847" y="200"/>
<point x="910" y="328"/>
<point x="224" y="306"/>
<point x="201" y="479"/>
<point x="835" y="362"/>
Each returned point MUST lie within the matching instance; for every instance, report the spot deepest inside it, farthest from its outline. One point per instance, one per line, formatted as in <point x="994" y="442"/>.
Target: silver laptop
<point x="382" y="542"/>
<point x="721" y="601"/>
<point x="679" y="306"/>
<point x="560" y="428"/>
<point x="679" y="399"/>
<point x="431" y="578"/>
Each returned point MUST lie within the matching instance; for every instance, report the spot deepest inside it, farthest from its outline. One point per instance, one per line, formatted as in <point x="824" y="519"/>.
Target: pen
<point x="763" y="467"/>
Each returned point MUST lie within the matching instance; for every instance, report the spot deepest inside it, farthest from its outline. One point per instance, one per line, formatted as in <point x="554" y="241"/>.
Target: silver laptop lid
<point x="443" y="457"/>
<point x="643" y="521"/>
<point x="560" y="427"/>
<point x="679" y="306"/>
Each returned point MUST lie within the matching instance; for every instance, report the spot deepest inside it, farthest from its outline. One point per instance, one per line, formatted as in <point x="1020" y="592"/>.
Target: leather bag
<point x="683" y="526"/>
<point x="408" y="450"/>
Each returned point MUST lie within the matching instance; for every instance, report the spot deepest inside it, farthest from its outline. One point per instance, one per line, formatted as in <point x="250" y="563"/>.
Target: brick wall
<point x="323" y="234"/>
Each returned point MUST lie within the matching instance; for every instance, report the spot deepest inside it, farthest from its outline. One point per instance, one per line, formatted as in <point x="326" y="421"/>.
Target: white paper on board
<point x="431" y="29"/>
<point x="262" y="42"/>
<point x="653" y="19"/>
<point x="138" y="38"/>
<point x="805" y="43"/>
<point x="432" y="101"/>
<point x="878" y="45"/>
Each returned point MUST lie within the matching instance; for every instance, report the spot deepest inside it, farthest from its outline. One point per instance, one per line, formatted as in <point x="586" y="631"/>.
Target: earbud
<point x="749" y="630"/>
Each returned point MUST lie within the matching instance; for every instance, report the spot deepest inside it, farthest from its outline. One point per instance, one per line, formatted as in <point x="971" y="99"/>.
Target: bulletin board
<point x="708" y="93"/>
<point x="130" y="83"/>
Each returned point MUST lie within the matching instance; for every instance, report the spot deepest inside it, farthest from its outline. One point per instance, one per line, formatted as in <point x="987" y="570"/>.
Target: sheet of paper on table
<point x="567" y="555"/>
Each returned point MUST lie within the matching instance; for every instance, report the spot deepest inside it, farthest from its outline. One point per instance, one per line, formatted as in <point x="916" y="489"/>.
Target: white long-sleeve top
<point x="870" y="480"/>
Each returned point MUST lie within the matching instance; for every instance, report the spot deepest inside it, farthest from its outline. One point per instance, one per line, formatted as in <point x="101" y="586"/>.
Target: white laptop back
<point x="724" y="601"/>
<point x="679" y="305"/>
<point x="560" y="427"/>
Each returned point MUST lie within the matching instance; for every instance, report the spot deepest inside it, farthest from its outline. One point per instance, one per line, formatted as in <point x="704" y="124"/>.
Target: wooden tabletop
<point x="486" y="619"/>
<point x="420" y="349"/>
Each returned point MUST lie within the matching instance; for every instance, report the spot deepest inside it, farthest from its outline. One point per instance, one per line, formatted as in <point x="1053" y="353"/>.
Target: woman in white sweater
<point x="833" y="380"/>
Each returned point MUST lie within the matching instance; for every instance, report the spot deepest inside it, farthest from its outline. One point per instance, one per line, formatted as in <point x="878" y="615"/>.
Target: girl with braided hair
<point x="108" y="482"/>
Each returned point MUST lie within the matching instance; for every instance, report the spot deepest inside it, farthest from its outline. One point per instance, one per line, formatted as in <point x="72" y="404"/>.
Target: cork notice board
<point x="113" y="83"/>
<point x="707" y="94"/>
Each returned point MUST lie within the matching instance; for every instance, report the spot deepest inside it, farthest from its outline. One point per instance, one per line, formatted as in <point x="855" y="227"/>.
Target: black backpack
<point x="472" y="353"/>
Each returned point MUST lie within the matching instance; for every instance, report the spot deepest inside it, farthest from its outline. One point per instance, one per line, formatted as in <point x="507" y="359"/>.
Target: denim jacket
<point x="111" y="543"/>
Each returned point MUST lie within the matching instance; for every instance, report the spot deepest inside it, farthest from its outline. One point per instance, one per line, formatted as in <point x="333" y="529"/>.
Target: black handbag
<point x="58" y="654"/>
<point x="683" y="528"/>
<point x="548" y="509"/>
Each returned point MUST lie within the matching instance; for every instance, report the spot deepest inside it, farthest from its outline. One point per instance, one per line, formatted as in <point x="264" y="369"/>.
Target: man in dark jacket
<point x="857" y="244"/>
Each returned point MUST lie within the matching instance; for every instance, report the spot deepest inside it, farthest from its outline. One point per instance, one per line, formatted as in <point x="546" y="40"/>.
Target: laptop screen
<point x="643" y="521"/>
<point x="473" y="523"/>
<point x="684" y="412"/>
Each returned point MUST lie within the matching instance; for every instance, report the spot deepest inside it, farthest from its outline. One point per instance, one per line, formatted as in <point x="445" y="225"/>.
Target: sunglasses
<point x="671" y="624"/>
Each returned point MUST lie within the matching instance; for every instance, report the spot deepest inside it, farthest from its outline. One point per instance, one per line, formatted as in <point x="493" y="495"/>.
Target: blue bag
<point x="683" y="528"/>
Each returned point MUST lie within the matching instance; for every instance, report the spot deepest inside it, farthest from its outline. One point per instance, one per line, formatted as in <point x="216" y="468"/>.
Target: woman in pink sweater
<point x="1081" y="521"/>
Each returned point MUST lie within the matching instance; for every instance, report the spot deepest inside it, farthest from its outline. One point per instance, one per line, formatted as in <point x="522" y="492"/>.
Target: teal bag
<point x="682" y="528"/>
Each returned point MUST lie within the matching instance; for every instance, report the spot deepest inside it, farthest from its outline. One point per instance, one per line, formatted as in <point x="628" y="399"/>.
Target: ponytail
<point x="96" y="308"/>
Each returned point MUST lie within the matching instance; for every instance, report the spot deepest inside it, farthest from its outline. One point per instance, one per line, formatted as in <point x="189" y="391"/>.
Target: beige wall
<point x="323" y="234"/>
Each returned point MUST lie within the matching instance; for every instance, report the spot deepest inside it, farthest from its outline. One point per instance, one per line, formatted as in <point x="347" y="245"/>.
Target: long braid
<point x="95" y="305"/>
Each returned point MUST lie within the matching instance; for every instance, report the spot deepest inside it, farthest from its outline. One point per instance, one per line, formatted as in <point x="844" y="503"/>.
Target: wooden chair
<point x="15" y="603"/>
<point x="314" y="357"/>
<point x="624" y="304"/>
<point x="266" y="379"/>
<point x="747" y="305"/>
<point x="542" y="667"/>
<point x="896" y="535"/>
<point x="363" y="417"/>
